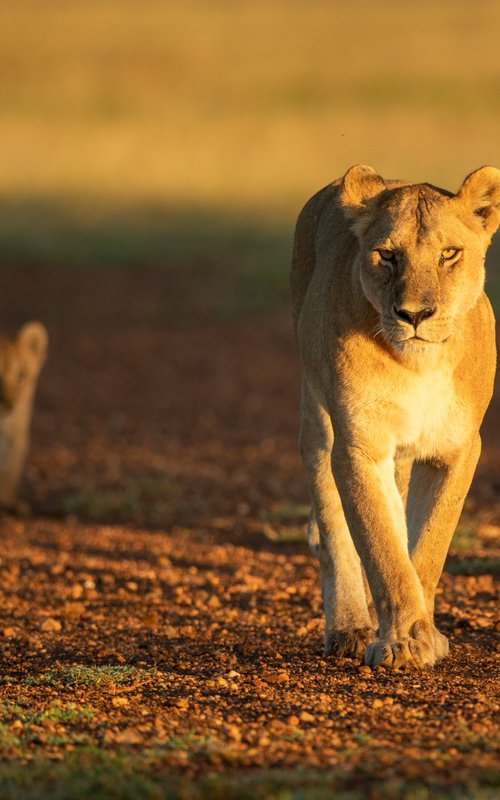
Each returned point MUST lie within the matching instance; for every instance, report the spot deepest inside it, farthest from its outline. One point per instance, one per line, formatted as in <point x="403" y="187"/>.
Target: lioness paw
<point x="416" y="650"/>
<point x="400" y="653"/>
<point x="349" y="644"/>
<point x="441" y="646"/>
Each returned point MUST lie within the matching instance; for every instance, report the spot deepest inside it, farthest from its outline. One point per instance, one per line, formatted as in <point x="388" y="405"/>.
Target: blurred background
<point x="154" y="157"/>
<point x="157" y="133"/>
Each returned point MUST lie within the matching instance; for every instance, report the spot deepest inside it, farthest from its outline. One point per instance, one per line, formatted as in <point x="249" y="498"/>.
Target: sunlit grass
<point x="159" y="134"/>
<point x="254" y="103"/>
<point x="90" y="676"/>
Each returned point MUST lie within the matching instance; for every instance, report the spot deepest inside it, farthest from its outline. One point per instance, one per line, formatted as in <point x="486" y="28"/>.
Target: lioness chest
<point x="409" y="414"/>
<point x="430" y="419"/>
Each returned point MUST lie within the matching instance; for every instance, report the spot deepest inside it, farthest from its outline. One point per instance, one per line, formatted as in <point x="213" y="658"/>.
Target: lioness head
<point x="21" y="360"/>
<point x="422" y="249"/>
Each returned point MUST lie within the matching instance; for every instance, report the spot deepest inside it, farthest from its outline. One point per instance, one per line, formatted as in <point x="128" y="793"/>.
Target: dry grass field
<point x="160" y="614"/>
<point x="146" y="132"/>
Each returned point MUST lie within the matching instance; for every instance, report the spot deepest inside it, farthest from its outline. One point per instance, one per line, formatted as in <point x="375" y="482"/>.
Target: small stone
<point x="234" y="732"/>
<point x="128" y="736"/>
<point x="50" y="625"/>
<point x="233" y="674"/>
<point x="213" y="601"/>
<point x="377" y="703"/>
<point x="74" y="609"/>
<point x="9" y="633"/>
<point x="282" y="677"/>
<point x="293" y="720"/>
<point x="132" y="586"/>
<point x="306" y="717"/>
<point x="221" y="682"/>
<point x="119" y="701"/>
<point x="17" y="725"/>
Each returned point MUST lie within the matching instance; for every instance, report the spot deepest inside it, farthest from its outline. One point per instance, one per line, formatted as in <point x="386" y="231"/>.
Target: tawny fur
<point x="391" y="403"/>
<point x="21" y="360"/>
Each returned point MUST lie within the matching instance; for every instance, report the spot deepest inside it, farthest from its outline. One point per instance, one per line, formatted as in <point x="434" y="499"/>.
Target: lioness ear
<point x="360" y="184"/>
<point x="32" y="341"/>
<point x="480" y="193"/>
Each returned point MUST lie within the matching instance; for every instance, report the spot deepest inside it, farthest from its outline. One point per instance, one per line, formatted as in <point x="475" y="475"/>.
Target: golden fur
<point x="21" y="360"/>
<point x="397" y="344"/>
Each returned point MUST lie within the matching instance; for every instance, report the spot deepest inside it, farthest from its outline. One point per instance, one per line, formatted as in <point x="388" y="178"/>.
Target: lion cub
<point x="21" y="360"/>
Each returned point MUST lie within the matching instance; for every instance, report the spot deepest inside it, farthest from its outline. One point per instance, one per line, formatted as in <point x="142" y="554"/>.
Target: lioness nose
<point x="413" y="317"/>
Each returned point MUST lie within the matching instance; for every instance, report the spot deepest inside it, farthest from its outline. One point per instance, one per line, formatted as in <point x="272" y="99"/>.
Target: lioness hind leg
<point x="313" y="534"/>
<point x="348" y="628"/>
<point x="435" y="500"/>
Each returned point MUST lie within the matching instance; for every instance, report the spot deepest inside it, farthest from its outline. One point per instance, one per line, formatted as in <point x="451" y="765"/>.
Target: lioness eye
<point x="387" y="255"/>
<point x="450" y="252"/>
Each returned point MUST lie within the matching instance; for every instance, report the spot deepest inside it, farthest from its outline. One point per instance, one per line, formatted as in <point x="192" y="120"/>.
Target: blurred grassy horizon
<point x="155" y="133"/>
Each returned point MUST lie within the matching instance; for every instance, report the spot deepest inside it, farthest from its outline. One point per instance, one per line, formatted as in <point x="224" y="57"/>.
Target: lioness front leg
<point x="435" y="499"/>
<point x="376" y="520"/>
<point x="349" y="627"/>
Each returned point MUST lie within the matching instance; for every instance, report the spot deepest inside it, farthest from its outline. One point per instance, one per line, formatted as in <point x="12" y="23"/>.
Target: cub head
<point x="21" y="360"/>
<point x="421" y="251"/>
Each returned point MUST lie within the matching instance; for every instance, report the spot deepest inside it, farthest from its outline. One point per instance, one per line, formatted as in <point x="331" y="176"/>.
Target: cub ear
<point x="480" y="193"/>
<point x="360" y="184"/>
<point x="32" y="341"/>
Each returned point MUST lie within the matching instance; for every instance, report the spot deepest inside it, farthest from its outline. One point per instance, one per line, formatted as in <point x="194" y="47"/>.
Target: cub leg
<point x="376" y="519"/>
<point x="348" y="627"/>
<point x="13" y="450"/>
<point x="435" y="499"/>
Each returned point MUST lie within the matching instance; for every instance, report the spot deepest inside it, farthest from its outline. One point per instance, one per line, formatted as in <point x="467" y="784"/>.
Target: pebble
<point x="119" y="701"/>
<point x="50" y="625"/>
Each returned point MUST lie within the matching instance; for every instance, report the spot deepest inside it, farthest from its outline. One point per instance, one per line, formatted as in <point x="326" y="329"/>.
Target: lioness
<point x="21" y="360"/>
<point x="397" y="343"/>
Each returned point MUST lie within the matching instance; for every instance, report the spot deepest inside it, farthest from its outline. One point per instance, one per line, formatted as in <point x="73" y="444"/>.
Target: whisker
<point x="378" y="331"/>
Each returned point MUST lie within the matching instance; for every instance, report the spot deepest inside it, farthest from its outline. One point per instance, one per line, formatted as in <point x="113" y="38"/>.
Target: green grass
<point x="286" y="523"/>
<point x="90" y="676"/>
<point x="103" y="776"/>
<point x="465" y="537"/>
<point x="143" y="500"/>
<point x="56" y="712"/>
<point x="473" y="566"/>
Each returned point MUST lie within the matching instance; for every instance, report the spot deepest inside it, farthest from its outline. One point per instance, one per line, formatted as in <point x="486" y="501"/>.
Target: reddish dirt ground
<point x="168" y="508"/>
